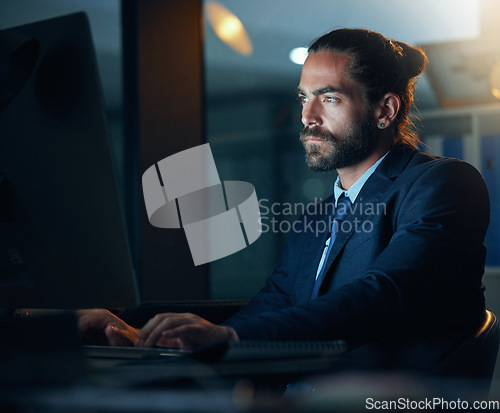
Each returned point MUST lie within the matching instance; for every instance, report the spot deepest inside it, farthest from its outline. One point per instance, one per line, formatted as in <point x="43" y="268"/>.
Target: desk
<point x="189" y="386"/>
<point x="56" y="378"/>
<point x="269" y="373"/>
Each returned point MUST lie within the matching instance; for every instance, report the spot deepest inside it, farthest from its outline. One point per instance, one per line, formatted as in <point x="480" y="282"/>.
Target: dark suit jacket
<point x="404" y="273"/>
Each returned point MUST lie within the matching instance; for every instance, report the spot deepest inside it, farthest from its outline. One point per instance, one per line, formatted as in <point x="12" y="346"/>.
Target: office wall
<point x="163" y="91"/>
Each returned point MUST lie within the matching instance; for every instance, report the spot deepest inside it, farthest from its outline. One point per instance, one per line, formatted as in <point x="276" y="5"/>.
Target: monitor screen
<point x="63" y="241"/>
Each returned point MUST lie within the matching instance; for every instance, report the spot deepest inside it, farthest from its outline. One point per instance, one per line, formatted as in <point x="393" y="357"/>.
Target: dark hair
<point x="380" y="65"/>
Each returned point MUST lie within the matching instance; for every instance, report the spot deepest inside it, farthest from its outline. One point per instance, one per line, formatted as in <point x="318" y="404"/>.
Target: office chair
<point x="476" y="356"/>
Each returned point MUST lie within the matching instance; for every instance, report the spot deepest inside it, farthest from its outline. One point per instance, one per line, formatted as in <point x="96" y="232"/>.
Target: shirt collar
<point x="355" y="189"/>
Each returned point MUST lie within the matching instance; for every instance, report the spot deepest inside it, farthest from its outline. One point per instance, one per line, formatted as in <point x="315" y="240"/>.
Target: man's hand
<point x="185" y="331"/>
<point x="100" y="326"/>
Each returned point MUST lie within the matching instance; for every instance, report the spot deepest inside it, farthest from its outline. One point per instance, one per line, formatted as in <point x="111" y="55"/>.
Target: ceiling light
<point x="298" y="55"/>
<point x="228" y="28"/>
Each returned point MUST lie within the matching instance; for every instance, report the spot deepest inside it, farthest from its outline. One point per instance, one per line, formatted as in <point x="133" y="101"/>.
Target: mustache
<point x="316" y="132"/>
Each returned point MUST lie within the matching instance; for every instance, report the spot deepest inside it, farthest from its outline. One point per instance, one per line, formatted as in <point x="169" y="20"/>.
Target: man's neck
<point x="349" y="175"/>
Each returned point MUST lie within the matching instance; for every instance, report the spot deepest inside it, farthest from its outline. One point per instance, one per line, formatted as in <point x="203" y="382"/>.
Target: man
<point x="402" y="283"/>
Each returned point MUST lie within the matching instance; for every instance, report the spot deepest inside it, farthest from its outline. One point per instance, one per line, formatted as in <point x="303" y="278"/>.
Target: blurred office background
<point x="252" y="120"/>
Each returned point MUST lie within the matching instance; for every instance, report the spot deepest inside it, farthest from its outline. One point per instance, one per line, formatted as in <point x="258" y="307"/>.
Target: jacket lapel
<point x="371" y="193"/>
<point x="313" y="249"/>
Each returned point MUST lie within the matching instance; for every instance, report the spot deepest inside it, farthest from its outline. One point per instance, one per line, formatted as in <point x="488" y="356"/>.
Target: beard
<point x="344" y="151"/>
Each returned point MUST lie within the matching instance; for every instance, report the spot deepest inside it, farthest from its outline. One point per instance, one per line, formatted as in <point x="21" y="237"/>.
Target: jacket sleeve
<point x="274" y="296"/>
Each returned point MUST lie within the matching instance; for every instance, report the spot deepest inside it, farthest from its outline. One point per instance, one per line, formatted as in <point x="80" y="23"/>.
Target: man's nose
<point x="311" y="114"/>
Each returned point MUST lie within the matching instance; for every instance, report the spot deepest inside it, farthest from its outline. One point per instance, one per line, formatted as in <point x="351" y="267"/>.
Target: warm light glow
<point x="495" y="80"/>
<point x="298" y="55"/>
<point x="229" y="28"/>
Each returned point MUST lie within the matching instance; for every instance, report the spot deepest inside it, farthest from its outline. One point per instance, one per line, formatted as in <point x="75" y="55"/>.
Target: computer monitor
<point x="63" y="241"/>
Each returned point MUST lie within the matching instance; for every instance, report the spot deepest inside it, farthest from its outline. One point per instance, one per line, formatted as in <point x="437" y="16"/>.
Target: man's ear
<point x="387" y="110"/>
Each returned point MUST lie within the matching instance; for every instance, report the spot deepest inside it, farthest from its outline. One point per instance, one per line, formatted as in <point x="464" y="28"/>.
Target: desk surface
<point x="147" y="387"/>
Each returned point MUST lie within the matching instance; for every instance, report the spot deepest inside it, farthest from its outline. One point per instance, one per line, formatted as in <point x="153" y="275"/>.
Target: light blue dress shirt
<point x="352" y="193"/>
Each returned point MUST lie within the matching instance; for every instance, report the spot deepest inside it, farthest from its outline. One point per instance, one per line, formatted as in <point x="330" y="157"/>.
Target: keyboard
<point x="132" y="353"/>
<point x="246" y="350"/>
<point x="270" y="350"/>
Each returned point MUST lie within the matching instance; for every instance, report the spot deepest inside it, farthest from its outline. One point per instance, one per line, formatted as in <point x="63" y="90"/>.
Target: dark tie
<point x="343" y="206"/>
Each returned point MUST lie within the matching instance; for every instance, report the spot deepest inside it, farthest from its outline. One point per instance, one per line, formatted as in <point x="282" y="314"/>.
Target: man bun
<point x="415" y="59"/>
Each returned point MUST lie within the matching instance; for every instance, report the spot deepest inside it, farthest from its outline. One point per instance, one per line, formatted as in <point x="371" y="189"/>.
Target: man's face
<point x="339" y="129"/>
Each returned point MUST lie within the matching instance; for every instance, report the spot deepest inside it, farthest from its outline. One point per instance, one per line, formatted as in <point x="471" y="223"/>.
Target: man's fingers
<point x="100" y="325"/>
<point x="163" y="323"/>
<point x="170" y="342"/>
<point x="146" y="333"/>
<point x="118" y="337"/>
<point x="92" y="319"/>
<point x="184" y="330"/>
<point x="151" y="332"/>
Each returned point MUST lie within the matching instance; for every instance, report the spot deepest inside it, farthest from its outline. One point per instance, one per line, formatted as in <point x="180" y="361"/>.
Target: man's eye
<point x="330" y="99"/>
<point x="302" y="99"/>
